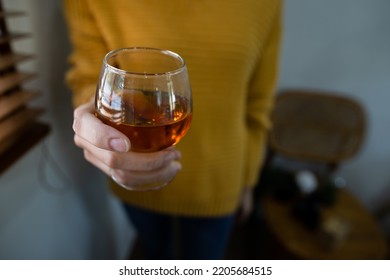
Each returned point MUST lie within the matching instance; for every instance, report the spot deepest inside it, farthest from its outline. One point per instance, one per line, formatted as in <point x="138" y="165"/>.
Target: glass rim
<point x="146" y="49"/>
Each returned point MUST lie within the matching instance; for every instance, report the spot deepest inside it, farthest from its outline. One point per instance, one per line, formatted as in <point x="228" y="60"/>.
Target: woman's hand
<point x="246" y="205"/>
<point x="108" y="149"/>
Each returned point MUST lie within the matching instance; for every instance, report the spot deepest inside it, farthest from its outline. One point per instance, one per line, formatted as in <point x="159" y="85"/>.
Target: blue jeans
<point x="175" y="237"/>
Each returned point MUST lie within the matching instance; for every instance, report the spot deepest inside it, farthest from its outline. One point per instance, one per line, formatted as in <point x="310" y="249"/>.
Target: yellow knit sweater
<point x="231" y="49"/>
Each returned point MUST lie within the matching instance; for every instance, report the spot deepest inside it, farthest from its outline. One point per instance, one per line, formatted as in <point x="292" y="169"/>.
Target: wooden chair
<point x="319" y="127"/>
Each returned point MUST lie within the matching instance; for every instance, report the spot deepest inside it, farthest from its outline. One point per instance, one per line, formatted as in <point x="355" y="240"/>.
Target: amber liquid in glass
<point x="151" y="121"/>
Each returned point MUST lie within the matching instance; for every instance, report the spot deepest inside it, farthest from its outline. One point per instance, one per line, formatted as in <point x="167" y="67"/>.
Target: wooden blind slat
<point x="13" y="125"/>
<point x="12" y="36"/>
<point x="11" y="59"/>
<point x="15" y="149"/>
<point x="11" y="14"/>
<point x="10" y="103"/>
<point x="10" y="81"/>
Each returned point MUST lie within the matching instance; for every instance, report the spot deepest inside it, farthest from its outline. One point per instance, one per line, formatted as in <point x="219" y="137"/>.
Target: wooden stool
<point x="365" y="239"/>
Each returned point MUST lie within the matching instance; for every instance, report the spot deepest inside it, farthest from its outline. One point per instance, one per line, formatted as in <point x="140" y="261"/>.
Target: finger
<point x="130" y="161"/>
<point x="96" y="162"/>
<point x="87" y="126"/>
<point x="137" y="178"/>
<point x="246" y="205"/>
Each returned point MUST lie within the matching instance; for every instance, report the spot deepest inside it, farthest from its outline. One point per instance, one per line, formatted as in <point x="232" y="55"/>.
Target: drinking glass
<point x="145" y="93"/>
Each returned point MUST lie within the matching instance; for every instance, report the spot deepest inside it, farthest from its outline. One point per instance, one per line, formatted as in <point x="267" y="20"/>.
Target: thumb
<point x="88" y="127"/>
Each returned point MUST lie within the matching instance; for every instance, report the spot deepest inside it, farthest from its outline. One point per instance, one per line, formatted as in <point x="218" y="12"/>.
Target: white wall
<point x="341" y="45"/>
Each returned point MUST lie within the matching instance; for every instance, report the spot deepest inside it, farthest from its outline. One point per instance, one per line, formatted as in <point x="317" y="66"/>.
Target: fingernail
<point x="119" y="145"/>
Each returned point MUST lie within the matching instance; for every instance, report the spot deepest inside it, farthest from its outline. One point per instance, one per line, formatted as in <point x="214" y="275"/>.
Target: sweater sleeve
<point x="260" y="102"/>
<point x="88" y="51"/>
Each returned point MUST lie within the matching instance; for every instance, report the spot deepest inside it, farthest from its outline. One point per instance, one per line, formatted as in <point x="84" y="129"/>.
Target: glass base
<point x="143" y="187"/>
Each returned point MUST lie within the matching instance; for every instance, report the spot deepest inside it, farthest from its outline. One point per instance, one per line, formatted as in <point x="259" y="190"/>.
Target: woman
<point x="231" y="49"/>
